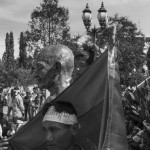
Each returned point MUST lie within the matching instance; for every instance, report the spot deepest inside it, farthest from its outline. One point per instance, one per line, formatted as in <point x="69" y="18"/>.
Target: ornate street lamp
<point x="102" y="17"/>
<point x="87" y="17"/>
<point x="87" y="20"/>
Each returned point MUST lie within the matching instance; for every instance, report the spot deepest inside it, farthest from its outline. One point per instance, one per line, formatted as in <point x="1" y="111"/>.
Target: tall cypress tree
<point x="6" y="53"/>
<point x="8" y="56"/>
<point x="11" y="50"/>
<point x="22" y="52"/>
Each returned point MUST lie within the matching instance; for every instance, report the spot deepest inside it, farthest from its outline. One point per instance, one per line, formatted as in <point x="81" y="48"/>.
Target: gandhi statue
<point x="53" y="68"/>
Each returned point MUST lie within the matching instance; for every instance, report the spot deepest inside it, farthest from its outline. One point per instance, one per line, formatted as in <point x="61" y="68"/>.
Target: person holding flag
<point x="60" y="125"/>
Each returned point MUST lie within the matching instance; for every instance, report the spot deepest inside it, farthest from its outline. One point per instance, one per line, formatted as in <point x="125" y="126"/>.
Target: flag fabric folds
<point x="96" y="95"/>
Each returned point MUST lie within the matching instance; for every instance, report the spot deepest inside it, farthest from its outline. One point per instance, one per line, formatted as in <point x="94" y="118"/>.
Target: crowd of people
<point x="22" y="107"/>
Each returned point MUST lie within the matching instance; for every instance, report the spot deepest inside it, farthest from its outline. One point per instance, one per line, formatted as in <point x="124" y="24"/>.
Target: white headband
<point x="65" y="118"/>
<point x="16" y="91"/>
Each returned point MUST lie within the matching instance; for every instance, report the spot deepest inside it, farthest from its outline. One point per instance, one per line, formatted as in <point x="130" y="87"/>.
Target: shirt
<point x="18" y="106"/>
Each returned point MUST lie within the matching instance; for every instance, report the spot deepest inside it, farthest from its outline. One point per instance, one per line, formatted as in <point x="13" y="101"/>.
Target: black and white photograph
<point x="74" y="75"/>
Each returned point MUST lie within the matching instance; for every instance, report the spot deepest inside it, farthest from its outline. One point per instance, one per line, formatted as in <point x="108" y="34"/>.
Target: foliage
<point x="131" y="54"/>
<point x="10" y="52"/>
<point x="90" y="50"/>
<point x="148" y="59"/>
<point x="80" y="56"/>
<point x="15" y="77"/>
<point x="29" y="62"/>
<point x="49" y="24"/>
<point x="8" y="56"/>
<point x="130" y="45"/>
<point x="137" y="111"/>
<point x="8" y="77"/>
<point x="134" y="78"/>
<point x="2" y="68"/>
<point x="12" y="48"/>
<point x="130" y="49"/>
<point x="4" y="58"/>
<point x="22" y="52"/>
<point x="25" y="77"/>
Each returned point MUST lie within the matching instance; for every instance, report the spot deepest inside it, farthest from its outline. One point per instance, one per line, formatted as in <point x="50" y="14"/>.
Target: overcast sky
<point x="15" y="15"/>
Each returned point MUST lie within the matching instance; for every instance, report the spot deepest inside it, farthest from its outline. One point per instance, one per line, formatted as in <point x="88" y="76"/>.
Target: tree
<point x="49" y="23"/>
<point x="12" y="48"/>
<point x="6" y="53"/>
<point x="131" y="57"/>
<point x="148" y="59"/>
<point x="2" y="68"/>
<point x="24" y="77"/>
<point x="15" y="76"/>
<point x="29" y="62"/>
<point x="8" y="56"/>
<point x="130" y="44"/>
<point x="22" y="52"/>
<point x="4" y="59"/>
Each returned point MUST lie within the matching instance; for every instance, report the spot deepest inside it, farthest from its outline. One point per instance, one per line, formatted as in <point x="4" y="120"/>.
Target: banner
<point x="96" y="95"/>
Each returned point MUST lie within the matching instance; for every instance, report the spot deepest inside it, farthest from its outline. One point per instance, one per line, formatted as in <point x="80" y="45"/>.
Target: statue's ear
<point x="52" y="73"/>
<point x="57" y="68"/>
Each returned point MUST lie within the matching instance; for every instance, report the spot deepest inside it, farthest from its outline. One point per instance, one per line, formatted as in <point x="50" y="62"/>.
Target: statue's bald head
<point x="54" y="65"/>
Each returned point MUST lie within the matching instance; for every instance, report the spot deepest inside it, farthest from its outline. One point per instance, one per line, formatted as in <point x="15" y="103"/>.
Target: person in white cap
<point x="60" y="125"/>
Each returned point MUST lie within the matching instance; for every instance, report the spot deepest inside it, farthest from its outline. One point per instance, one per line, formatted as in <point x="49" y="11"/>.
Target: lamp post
<point x="101" y="16"/>
<point x="87" y="20"/>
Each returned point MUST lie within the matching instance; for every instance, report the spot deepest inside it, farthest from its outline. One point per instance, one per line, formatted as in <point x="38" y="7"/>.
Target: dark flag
<point x="96" y="96"/>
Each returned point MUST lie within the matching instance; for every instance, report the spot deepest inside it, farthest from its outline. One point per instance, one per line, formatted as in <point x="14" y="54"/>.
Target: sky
<point x="15" y="15"/>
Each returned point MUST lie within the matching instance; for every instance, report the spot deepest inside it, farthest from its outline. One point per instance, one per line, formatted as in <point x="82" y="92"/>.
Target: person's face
<point x="40" y="72"/>
<point x="29" y="94"/>
<point x="47" y="75"/>
<point x="35" y="91"/>
<point x="16" y="92"/>
<point x="58" y="136"/>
